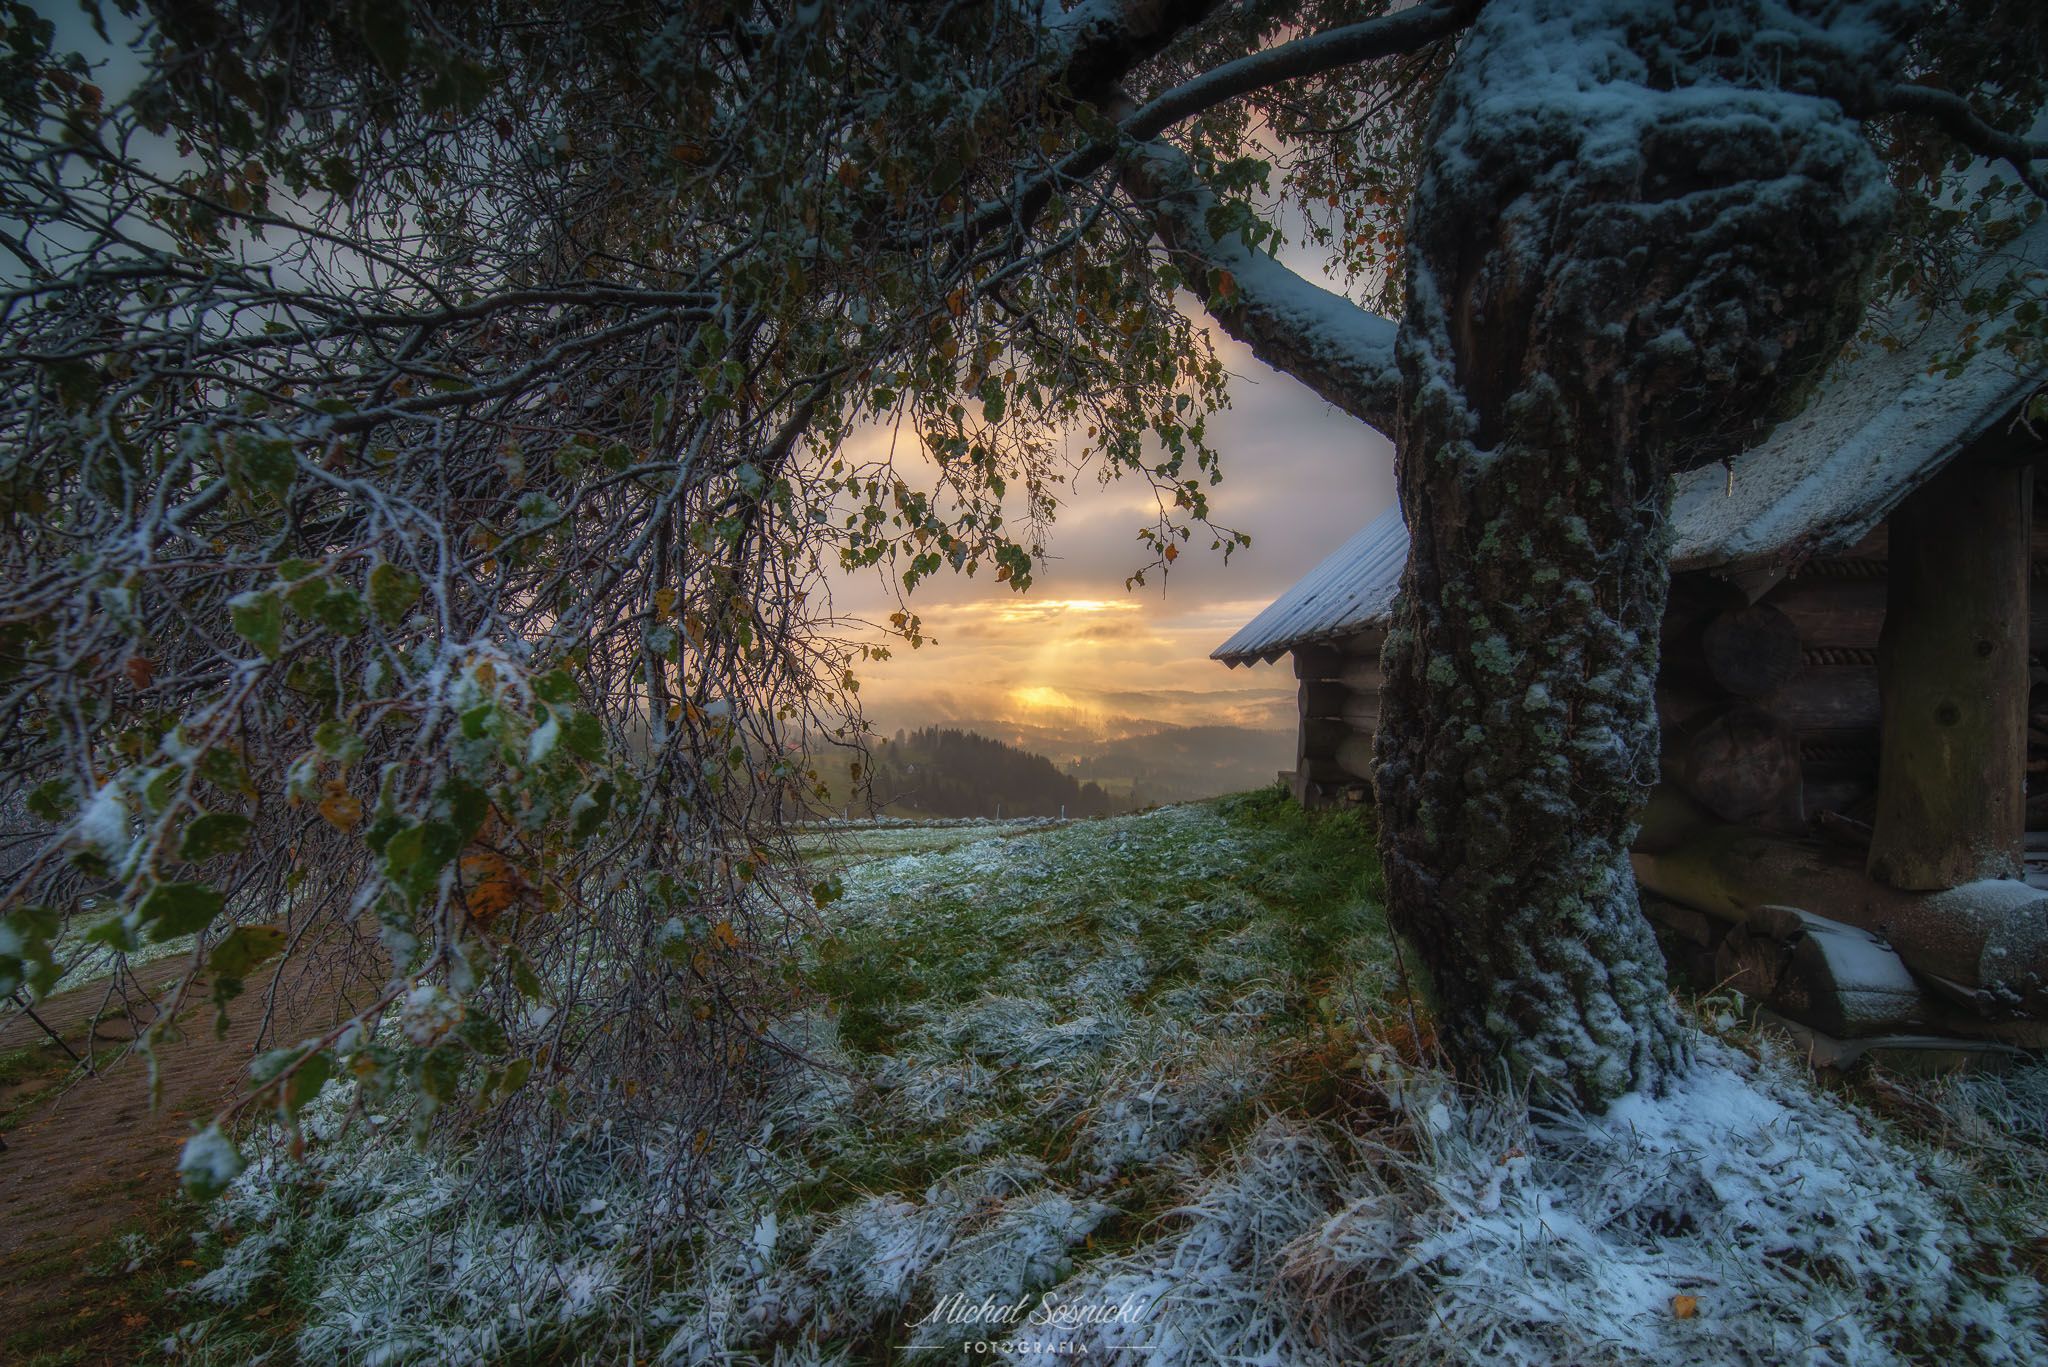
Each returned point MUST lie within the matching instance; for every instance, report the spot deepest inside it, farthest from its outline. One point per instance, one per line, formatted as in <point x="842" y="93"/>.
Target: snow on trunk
<point x="1635" y="242"/>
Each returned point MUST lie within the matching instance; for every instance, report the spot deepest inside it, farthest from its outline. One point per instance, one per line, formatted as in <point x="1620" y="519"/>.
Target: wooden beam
<point x="1952" y="670"/>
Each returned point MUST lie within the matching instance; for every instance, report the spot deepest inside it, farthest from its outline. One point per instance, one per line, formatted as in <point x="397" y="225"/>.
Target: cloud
<point x="1081" y="654"/>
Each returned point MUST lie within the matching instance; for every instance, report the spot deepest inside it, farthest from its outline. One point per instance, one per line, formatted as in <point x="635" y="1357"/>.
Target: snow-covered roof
<point x="1352" y="589"/>
<point x="1876" y="429"/>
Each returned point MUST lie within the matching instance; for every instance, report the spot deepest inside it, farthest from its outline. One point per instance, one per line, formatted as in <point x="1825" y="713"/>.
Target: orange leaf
<point x="141" y="669"/>
<point x="1172" y="554"/>
<point x="342" y="810"/>
<point x="722" y="932"/>
<point x="1685" y="1307"/>
<point x="493" y="885"/>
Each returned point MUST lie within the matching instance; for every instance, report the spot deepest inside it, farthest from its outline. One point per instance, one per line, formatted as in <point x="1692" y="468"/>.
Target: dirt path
<point x="87" y="1160"/>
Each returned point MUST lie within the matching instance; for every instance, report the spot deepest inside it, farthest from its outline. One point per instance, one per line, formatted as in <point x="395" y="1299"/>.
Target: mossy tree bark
<point x="1625" y="258"/>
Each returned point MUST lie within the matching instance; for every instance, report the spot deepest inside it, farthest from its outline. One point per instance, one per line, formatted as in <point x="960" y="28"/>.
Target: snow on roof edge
<point x="1877" y="428"/>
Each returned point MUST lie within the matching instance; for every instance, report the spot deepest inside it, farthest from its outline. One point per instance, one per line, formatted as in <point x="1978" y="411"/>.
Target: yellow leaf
<point x="1172" y="554"/>
<point x="1685" y="1307"/>
<point x="342" y="810"/>
<point x="700" y="1141"/>
<point x="664" y="602"/>
<point x="722" y="933"/>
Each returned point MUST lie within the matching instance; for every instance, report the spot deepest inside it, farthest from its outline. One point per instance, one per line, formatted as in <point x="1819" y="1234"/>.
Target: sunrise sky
<point x="1079" y="655"/>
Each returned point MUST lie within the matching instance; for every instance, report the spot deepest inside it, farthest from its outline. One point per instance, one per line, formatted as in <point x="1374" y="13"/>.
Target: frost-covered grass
<point x="1152" y="1080"/>
<point x="858" y="842"/>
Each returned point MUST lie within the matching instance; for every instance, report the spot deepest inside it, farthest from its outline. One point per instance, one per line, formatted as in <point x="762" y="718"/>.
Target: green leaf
<point x="516" y="1073"/>
<point x="439" y="1071"/>
<point x="584" y="736"/>
<point x="259" y="620"/>
<point x="243" y="948"/>
<point x="414" y="858"/>
<point x="174" y="909"/>
<point x="305" y="1083"/>
<point x="305" y="597"/>
<point x="223" y="768"/>
<point x="337" y="742"/>
<point x="209" y="1162"/>
<point x="464" y="805"/>
<point x="555" y="686"/>
<point x="263" y="465"/>
<point x="52" y="800"/>
<point x="340" y="610"/>
<point x="340" y="175"/>
<point x="28" y="962"/>
<point x="214" y="833"/>
<point x="385" y="26"/>
<point x="590" y="809"/>
<point x="524" y="978"/>
<point x="393" y="591"/>
<point x="115" y="934"/>
<point x="482" y="1034"/>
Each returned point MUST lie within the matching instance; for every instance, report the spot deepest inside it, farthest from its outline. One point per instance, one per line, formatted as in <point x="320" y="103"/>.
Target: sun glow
<point x="1039" y="698"/>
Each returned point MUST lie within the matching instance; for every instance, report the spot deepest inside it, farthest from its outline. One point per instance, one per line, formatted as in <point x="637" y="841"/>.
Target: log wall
<point x="1340" y="712"/>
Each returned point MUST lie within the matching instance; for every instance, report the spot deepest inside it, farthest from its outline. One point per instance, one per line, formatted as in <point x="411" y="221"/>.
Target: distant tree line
<point x="943" y="772"/>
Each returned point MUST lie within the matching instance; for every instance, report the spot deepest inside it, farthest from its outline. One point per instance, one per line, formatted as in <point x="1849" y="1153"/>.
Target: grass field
<point x="1156" y="1082"/>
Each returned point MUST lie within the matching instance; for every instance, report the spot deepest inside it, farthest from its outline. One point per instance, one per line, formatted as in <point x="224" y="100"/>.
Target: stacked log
<point x="1339" y="697"/>
<point x="1984" y="944"/>
<point x="1892" y="905"/>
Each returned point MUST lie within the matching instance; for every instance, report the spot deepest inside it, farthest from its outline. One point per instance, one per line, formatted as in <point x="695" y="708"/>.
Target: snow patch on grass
<point x="1798" y="1232"/>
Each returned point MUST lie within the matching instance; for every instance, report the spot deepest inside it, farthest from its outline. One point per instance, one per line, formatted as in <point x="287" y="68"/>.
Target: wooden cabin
<point x="1852" y="826"/>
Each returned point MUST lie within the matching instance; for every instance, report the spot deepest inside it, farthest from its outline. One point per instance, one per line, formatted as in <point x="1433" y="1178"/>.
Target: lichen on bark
<point x="1637" y="239"/>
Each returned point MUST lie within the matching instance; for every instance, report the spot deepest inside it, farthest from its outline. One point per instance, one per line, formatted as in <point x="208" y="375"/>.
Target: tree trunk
<point x="1952" y="672"/>
<point x="1602" y="287"/>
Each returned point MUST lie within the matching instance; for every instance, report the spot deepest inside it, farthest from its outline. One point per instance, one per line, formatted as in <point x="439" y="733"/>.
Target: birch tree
<point x="427" y="438"/>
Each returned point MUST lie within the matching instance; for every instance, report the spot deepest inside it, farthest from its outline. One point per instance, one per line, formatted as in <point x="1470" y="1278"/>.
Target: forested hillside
<point x="938" y="771"/>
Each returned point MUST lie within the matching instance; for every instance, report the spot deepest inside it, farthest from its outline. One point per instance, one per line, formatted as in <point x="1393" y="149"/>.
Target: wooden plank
<point x="1952" y="663"/>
